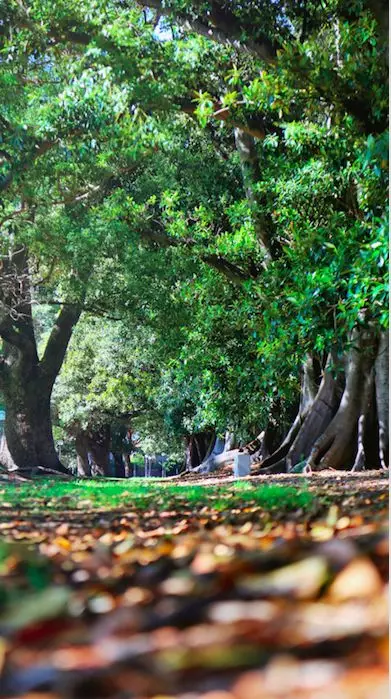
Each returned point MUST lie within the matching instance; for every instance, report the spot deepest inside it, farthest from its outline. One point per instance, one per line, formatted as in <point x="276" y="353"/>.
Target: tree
<point x="51" y="186"/>
<point x="102" y="389"/>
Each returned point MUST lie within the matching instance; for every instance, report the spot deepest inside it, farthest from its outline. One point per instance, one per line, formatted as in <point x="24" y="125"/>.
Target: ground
<point x="271" y="587"/>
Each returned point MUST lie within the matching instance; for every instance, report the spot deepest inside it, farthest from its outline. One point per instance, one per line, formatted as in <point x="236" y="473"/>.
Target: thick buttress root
<point x="341" y="445"/>
<point x="321" y="412"/>
<point x="276" y="462"/>
<point x="382" y="397"/>
<point x="308" y="425"/>
<point x="346" y="426"/>
<point x="360" y="461"/>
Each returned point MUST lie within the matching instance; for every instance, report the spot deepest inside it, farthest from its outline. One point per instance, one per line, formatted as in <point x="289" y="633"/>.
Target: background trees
<point x="211" y="176"/>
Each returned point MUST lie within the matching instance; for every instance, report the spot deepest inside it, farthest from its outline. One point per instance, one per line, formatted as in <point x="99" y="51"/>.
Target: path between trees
<point x="213" y="592"/>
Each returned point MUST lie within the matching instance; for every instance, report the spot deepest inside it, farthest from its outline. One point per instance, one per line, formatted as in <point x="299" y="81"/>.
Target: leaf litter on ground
<point x="233" y="591"/>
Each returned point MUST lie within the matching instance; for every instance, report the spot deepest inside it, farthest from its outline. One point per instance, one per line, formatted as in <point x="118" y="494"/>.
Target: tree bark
<point x="310" y="389"/>
<point x="382" y="397"/>
<point x="361" y="460"/>
<point x="28" y="439"/>
<point x="346" y="425"/>
<point x="99" y="450"/>
<point x="217" y="456"/>
<point x="119" y="465"/>
<point x="337" y="445"/>
<point x="317" y="417"/>
<point x="26" y="381"/>
<point x="198" y="448"/>
<point x="128" y="465"/>
<point x="245" y="145"/>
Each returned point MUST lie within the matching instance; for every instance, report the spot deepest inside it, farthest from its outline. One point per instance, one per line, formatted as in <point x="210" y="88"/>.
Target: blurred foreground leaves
<point x="218" y="604"/>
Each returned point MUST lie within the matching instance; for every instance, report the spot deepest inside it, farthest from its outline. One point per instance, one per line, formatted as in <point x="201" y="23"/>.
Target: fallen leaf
<point x="322" y="532"/>
<point x="359" y="579"/>
<point x="35" y="607"/>
<point x="301" y="580"/>
<point x="62" y="543"/>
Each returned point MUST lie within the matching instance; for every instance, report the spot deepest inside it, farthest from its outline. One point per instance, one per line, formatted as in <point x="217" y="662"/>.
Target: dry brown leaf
<point x="322" y="532"/>
<point x="360" y="579"/>
<point x="301" y="580"/>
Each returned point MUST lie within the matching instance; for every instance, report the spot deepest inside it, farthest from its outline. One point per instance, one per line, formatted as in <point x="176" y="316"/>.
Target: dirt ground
<point x="194" y="602"/>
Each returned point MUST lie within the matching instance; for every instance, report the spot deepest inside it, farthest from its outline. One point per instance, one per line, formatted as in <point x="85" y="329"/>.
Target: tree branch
<point x="100" y="312"/>
<point x="16" y="326"/>
<point x="59" y="338"/>
<point x="220" y="25"/>
<point x="3" y="371"/>
<point x="230" y="270"/>
<point x="253" y="127"/>
<point x="223" y="28"/>
<point x="15" y="337"/>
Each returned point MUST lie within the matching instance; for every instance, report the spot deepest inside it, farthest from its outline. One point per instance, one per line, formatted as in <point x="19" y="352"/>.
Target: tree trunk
<point x="99" y="450"/>
<point x="28" y="433"/>
<point x="365" y="411"/>
<point x="346" y="424"/>
<point x="246" y="148"/>
<point x="337" y="445"/>
<point x="128" y="465"/>
<point x="299" y="438"/>
<point x="229" y="441"/>
<point x="198" y="448"/>
<point x="27" y="442"/>
<point x="382" y="397"/>
<point x="259" y="448"/>
<point x="317" y="416"/>
<point x="217" y="457"/>
<point x="25" y="380"/>
<point x="119" y="465"/>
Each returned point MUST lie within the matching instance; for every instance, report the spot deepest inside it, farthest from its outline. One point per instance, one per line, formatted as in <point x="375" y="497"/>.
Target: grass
<point x="139" y="493"/>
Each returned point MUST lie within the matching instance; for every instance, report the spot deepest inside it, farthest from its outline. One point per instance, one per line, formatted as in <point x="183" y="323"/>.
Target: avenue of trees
<point x="194" y="227"/>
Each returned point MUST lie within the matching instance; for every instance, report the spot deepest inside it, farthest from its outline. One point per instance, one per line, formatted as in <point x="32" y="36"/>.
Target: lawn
<point x="140" y="493"/>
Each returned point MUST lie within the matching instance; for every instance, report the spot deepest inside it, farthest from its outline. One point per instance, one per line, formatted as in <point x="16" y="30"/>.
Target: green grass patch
<point x="139" y="493"/>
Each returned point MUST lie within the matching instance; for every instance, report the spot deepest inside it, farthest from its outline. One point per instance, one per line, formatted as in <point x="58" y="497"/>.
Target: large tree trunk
<point x="338" y="444"/>
<point x="93" y="449"/>
<point x="346" y="424"/>
<point x="299" y="436"/>
<point x="366" y="410"/>
<point x="27" y="381"/>
<point x="317" y="416"/>
<point x="218" y="456"/>
<point x="246" y="148"/>
<point x="28" y="442"/>
<point x="99" y="450"/>
<point x="119" y="465"/>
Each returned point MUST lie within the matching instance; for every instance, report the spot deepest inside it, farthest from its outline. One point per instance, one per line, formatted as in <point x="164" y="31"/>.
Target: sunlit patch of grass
<point x="242" y="485"/>
<point x="277" y="495"/>
<point x="152" y="493"/>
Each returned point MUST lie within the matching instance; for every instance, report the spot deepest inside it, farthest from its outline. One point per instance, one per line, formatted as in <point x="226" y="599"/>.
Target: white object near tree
<point x="242" y="464"/>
